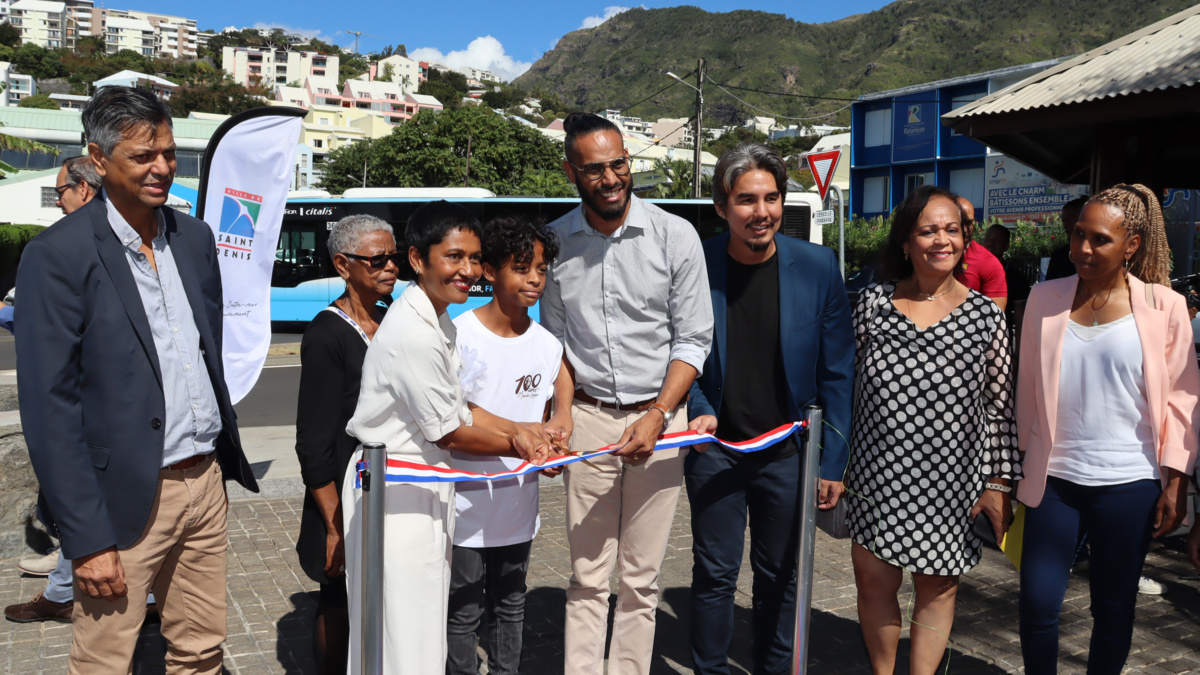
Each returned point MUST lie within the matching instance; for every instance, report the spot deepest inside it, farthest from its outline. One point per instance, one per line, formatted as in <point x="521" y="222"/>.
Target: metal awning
<point x="1126" y="111"/>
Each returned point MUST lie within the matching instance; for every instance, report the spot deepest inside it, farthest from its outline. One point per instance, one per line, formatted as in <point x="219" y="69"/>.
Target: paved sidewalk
<point x="271" y="602"/>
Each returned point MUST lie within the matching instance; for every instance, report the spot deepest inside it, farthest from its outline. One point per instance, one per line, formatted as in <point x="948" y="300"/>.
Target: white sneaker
<point x="40" y="566"/>
<point x="1148" y="586"/>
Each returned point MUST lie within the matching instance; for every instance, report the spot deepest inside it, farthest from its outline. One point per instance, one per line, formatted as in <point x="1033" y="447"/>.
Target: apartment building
<point x="40" y="22"/>
<point x="631" y="125"/>
<point x="385" y="97"/>
<point x="270" y="67"/>
<point x="4" y="4"/>
<point x="128" y="33"/>
<point x="399" y="69"/>
<point x="479" y="74"/>
<point x="14" y="86"/>
<point x="674" y="132"/>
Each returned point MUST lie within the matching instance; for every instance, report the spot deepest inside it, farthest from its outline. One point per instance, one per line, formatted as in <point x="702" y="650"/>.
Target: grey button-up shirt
<point x="193" y="419"/>
<point x="628" y="304"/>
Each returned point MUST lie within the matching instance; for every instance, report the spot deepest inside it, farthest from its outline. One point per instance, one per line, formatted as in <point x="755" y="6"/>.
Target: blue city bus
<point x="304" y="281"/>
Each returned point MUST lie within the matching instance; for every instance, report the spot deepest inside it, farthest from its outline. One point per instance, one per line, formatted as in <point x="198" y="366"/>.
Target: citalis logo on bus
<point x="239" y="215"/>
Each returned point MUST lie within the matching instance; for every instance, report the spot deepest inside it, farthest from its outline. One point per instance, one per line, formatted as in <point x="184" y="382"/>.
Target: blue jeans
<point x="1118" y="521"/>
<point x="495" y="576"/>
<point x="722" y="491"/>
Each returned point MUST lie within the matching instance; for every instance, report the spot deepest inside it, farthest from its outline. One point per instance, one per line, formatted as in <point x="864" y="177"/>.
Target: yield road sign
<point x="822" y="165"/>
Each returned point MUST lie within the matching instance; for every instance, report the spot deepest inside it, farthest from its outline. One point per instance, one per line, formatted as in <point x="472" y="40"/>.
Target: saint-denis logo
<point x="239" y="214"/>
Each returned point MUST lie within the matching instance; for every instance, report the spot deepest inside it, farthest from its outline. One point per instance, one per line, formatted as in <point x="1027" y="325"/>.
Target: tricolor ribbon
<point x="401" y="471"/>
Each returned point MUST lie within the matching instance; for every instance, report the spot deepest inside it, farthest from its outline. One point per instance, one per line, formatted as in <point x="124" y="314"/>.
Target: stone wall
<point x="18" y="496"/>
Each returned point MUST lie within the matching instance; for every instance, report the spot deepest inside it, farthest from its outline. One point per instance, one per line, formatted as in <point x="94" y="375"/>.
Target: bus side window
<point x="296" y="258"/>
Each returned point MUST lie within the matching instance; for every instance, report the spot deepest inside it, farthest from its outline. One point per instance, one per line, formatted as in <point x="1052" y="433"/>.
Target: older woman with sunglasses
<point x="331" y="358"/>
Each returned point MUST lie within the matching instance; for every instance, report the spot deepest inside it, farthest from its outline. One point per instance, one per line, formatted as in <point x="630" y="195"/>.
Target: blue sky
<point x="520" y="30"/>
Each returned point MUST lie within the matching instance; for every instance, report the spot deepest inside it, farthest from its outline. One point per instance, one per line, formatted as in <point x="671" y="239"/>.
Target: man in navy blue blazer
<point x="783" y="341"/>
<point x="123" y="402"/>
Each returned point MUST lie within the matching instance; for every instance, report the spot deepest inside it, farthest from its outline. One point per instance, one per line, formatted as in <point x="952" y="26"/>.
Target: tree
<point x="10" y="36"/>
<point x="225" y="97"/>
<point x="89" y="45"/>
<point x="731" y="138"/>
<point x="430" y="150"/>
<point x="40" y="101"/>
<point x="791" y="145"/>
<point x="42" y="64"/>
<point x="386" y="75"/>
<point x="15" y="144"/>
<point x="6" y="53"/>
<point x="680" y="187"/>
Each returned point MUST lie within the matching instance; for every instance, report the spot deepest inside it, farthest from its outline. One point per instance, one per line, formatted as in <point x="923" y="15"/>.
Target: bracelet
<point x="998" y="487"/>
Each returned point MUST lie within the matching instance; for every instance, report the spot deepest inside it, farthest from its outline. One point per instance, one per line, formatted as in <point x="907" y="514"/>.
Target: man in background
<point x="1060" y="260"/>
<point x="982" y="271"/>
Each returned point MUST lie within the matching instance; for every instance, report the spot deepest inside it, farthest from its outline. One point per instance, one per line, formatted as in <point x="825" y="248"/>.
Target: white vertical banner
<point x="248" y="170"/>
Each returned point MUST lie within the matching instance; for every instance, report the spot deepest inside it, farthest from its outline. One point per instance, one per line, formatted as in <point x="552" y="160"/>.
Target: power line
<point x="776" y="115"/>
<point x="673" y="83"/>
<point x="664" y="136"/>
<point x="821" y="98"/>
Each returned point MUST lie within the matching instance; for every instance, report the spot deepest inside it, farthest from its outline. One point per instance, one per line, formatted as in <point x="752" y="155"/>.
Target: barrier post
<point x="374" y="484"/>
<point x="811" y="466"/>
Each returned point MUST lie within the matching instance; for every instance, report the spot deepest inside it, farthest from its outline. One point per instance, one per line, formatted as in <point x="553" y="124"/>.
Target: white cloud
<point x="609" y="12"/>
<point x="484" y="52"/>
<point x="306" y="32"/>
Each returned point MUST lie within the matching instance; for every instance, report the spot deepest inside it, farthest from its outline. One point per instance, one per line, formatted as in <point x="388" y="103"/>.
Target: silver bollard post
<point x="374" y="484"/>
<point x="810" y="474"/>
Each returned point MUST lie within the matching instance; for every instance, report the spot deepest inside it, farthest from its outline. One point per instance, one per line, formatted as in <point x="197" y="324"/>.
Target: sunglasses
<point x="595" y="170"/>
<point x="62" y="190"/>
<point x="378" y="262"/>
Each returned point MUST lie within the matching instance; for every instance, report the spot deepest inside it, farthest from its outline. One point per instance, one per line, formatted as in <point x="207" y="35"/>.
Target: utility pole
<point x="698" y="141"/>
<point x="364" y="172"/>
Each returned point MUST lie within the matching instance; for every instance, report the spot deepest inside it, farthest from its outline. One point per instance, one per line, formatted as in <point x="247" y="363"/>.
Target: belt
<point x="185" y="464"/>
<point x="581" y="395"/>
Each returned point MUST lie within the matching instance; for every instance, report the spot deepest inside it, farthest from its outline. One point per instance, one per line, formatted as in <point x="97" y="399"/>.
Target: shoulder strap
<point x="1150" y="295"/>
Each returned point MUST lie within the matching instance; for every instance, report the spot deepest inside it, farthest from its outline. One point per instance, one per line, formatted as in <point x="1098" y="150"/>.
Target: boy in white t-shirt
<point x="510" y="367"/>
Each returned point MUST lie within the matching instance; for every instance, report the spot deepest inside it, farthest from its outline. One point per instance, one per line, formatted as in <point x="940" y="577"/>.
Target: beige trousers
<point x="181" y="557"/>
<point x="616" y="512"/>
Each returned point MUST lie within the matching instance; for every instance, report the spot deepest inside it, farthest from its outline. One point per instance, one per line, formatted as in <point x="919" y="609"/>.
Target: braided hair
<point x="1143" y="216"/>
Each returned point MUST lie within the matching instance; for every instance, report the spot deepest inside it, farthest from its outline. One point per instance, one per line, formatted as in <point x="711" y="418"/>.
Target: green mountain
<point x="625" y="59"/>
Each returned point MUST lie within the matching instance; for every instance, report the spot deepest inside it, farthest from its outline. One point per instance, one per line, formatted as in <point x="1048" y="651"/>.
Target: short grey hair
<point x="348" y="232"/>
<point x="115" y="111"/>
<point x="81" y="170"/>
<point x="747" y="157"/>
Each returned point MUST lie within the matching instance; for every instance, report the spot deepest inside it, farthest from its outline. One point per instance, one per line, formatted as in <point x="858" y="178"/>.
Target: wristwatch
<point x="668" y="415"/>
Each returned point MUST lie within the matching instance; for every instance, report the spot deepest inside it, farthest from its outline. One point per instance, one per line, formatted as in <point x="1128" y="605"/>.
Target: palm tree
<point x="21" y="145"/>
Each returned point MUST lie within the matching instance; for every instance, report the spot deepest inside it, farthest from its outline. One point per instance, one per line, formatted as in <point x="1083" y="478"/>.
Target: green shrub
<point x="12" y="241"/>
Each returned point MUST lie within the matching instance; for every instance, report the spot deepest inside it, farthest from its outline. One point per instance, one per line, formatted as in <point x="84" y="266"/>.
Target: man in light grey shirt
<point x="629" y="298"/>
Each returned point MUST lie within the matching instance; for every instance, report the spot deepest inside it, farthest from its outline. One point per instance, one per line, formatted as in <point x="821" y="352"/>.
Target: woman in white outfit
<point x="411" y="400"/>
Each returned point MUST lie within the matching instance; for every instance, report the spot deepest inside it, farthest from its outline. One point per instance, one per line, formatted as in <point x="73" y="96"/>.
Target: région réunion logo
<point x="239" y="215"/>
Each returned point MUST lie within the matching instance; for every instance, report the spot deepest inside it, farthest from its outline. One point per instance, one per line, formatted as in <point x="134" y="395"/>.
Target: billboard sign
<point x="915" y="128"/>
<point x="1013" y="191"/>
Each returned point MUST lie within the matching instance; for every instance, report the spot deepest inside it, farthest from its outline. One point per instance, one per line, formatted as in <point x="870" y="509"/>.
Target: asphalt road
<point x="272" y="402"/>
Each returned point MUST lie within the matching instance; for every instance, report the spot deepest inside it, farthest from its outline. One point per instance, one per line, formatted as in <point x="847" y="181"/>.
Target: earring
<point x="906" y="254"/>
<point x="1127" y="264"/>
<point x="1070" y="256"/>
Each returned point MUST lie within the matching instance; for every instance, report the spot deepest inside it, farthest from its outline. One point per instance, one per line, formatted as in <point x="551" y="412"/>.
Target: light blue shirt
<point x="626" y="305"/>
<point x="192" y="420"/>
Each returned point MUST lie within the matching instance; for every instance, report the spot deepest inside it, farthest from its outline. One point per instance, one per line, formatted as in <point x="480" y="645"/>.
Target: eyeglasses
<point x="378" y="262"/>
<point x="595" y="170"/>
<point x="62" y="190"/>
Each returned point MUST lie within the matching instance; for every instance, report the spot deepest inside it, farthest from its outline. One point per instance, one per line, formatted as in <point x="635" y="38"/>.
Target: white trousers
<point x="418" y="531"/>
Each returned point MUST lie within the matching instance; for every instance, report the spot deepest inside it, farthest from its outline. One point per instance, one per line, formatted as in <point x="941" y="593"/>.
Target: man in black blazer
<point x="782" y="340"/>
<point x="123" y="401"/>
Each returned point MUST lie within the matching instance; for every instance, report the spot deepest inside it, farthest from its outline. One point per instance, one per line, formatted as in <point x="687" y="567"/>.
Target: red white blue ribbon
<point x="401" y="471"/>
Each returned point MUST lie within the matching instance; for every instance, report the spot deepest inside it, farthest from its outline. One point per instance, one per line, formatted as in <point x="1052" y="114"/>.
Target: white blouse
<point x="1103" y="435"/>
<point x="410" y="395"/>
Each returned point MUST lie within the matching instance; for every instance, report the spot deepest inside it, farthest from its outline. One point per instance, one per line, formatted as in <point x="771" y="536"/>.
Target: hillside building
<point x="122" y="32"/>
<point x="14" y="86"/>
<point x="4" y="5"/>
<point x="385" y="97"/>
<point x="40" y="22"/>
<point x="70" y="101"/>
<point x="398" y="69"/>
<point x="674" y="132"/>
<point x="270" y="67"/>
<point x="479" y="74"/>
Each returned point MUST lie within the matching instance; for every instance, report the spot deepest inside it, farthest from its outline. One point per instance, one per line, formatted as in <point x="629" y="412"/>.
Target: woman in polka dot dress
<point x="934" y="441"/>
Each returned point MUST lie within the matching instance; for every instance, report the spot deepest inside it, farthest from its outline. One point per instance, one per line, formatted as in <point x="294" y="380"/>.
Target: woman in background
<point x="331" y="357"/>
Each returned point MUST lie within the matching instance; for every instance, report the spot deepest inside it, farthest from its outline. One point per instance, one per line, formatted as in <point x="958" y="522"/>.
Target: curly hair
<point x="1143" y="216"/>
<point x="895" y="265"/>
<point x="511" y="239"/>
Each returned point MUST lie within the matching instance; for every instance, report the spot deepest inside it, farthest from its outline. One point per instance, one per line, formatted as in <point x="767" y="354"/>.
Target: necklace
<point x="928" y="297"/>
<point x="1091" y="302"/>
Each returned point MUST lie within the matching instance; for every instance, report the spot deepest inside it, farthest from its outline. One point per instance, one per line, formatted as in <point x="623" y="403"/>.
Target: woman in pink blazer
<point x="1106" y="417"/>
